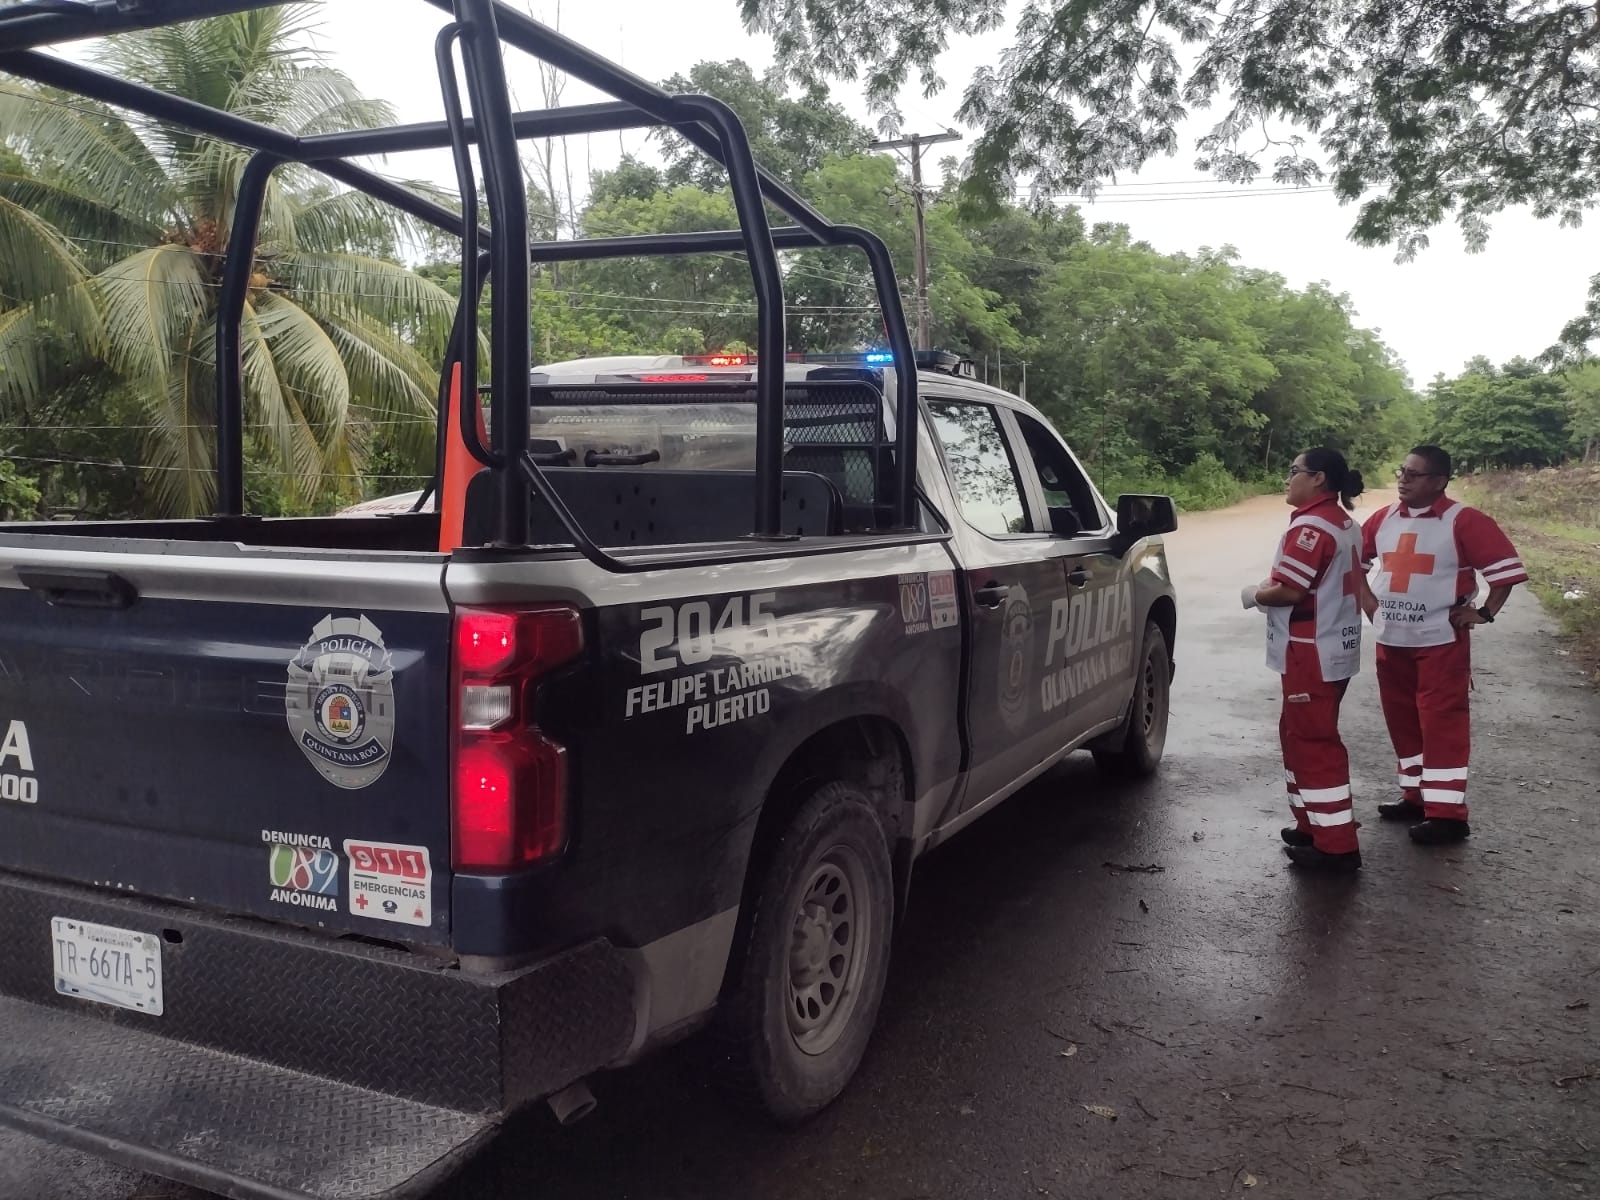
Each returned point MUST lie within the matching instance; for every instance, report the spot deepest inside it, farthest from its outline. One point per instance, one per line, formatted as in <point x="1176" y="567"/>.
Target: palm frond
<point x="35" y="260"/>
<point x="332" y="222"/>
<point x="268" y="407"/>
<point x="389" y="381"/>
<point x="179" y="446"/>
<point x="310" y="99"/>
<point x="150" y="300"/>
<point x="86" y="141"/>
<point x="350" y="283"/>
<point x="100" y="230"/>
<point x="22" y="358"/>
<point x="309" y="364"/>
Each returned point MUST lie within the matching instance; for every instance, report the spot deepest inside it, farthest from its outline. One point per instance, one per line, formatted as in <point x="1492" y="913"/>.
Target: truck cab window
<point x="1063" y="483"/>
<point x="987" y="486"/>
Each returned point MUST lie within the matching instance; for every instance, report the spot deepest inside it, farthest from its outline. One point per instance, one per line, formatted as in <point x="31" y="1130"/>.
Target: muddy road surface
<point x="1122" y="991"/>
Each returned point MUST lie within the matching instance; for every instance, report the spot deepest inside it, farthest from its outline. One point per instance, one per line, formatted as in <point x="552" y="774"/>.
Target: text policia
<point x="1099" y="620"/>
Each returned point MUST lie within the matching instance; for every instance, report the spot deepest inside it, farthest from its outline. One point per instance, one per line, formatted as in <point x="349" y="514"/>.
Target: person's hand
<point x="1248" y="596"/>
<point x="1464" y="616"/>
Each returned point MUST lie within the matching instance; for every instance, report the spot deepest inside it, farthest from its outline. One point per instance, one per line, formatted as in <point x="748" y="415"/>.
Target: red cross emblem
<point x="1403" y="562"/>
<point x="1354" y="576"/>
<point x="361" y="903"/>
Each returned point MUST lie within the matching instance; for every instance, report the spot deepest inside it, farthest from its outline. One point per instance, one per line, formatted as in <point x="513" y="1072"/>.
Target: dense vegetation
<point x="1518" y="415"/>
<point x="1186" y="371"/>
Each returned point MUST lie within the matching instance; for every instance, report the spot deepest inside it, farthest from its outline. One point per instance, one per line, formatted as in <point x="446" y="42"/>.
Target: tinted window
<point x="986" y="481"/>
<point x="1063" y="483"/>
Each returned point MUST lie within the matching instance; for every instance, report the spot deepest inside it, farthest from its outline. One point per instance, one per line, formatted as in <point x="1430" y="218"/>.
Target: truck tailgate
<point x="262" y="733"/>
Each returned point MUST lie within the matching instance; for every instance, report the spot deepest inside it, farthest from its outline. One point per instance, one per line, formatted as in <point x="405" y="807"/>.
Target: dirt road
<point x="1061" y="1027"/>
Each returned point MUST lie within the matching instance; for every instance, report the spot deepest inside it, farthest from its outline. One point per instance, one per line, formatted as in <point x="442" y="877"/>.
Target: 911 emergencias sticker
<point x="390" y="883"/>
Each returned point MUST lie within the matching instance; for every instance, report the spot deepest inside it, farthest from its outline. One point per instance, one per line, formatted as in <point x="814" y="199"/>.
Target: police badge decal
<point x="340" y="701"/>
<point x="1016" y="656"/>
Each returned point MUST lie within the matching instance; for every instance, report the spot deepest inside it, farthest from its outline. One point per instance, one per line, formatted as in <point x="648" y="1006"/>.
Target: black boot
<point x="1293" y="835"/>
<point x="1311" y="857"/>
<point x="1440" y="831"/>
<point x="1400" y="810"/>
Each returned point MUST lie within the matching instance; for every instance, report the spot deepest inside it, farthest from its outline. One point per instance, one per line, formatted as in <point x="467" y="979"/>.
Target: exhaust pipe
<point x="572" y="1104"/>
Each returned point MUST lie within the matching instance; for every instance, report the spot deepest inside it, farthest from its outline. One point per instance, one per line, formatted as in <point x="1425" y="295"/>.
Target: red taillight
<point x="510" y="798"/>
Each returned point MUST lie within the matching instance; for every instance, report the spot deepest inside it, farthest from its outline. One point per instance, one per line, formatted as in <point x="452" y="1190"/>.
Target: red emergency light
<point x="720" y="360"/>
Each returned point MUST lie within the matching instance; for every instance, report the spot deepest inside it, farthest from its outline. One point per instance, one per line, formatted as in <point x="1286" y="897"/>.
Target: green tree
<point x="1583" y="403"/>
<point x="1502" y="417"/>
<point x="113" y="231"/>
<point x="790" y="136"/>
<point x="677" y="303"/>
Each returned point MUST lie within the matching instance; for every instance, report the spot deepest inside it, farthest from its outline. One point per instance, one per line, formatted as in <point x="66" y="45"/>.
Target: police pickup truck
<point x="327" y="843"/>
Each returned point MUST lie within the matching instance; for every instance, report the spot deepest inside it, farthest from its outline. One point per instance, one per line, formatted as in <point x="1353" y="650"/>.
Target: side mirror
<point x="1145" y="516"/>
<point x="1064" y="523"/>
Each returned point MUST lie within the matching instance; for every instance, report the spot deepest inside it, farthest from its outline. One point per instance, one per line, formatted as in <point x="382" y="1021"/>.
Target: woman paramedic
<point x="1313" y="604"/>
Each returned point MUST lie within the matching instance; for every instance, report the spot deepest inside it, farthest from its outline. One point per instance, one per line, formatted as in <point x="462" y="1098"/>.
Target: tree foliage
<point x="1159" y="366"/>
<point x="1190" y="371"/>
<point x="1517" y="415"/>
<point x="1418" y="111"/>
<point x="112" y="233"/>
<point x="791" y="136"/>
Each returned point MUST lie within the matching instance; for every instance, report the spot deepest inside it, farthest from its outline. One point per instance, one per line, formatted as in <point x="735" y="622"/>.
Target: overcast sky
<point x="1436" y="312"/>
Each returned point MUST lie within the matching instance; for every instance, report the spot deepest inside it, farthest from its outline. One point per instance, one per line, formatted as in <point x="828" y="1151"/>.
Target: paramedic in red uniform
<point x="1428" y="549"/>
<point x="1313" y="601"/>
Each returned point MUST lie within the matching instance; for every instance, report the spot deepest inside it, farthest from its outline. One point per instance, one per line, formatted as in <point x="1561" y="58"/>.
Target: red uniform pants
<point x="1315" y="763"/>
<point x="1424" y="694"/>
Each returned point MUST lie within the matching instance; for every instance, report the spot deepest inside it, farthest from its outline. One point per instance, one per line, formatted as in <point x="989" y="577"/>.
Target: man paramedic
<point x="1428" y="549"/>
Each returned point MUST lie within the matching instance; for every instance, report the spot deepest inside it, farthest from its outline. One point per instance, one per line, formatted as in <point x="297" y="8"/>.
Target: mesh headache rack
<point x="478" y="33"/>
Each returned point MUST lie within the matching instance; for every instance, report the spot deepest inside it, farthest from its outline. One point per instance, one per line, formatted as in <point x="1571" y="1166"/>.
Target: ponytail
<point x="1343" y="480"/>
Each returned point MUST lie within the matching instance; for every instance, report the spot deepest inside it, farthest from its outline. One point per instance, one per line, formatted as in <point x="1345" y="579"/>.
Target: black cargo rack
<point x="481" y="29"/>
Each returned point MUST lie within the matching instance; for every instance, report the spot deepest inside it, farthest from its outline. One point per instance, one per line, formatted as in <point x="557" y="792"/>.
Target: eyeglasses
<point x="1402" y="473"/>
<point x="1299" y="470"/>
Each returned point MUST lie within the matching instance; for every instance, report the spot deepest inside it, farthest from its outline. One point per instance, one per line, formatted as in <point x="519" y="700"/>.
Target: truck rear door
<point x="1013" y="584"/>
<point x="257" y="732"/>
<point x="1091" y="644"/>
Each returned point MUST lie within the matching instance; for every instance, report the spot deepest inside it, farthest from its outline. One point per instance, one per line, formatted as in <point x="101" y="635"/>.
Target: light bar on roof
<point x="719" y="360"/>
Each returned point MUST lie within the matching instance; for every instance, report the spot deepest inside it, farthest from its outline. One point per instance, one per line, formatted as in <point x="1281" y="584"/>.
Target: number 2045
<point x="689" y="634"/>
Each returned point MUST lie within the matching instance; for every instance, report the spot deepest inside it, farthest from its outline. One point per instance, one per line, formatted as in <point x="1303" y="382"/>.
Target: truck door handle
<point x="1078" y="577"/>
<point x="80" y="589"/>
<point x="991" y="594"/>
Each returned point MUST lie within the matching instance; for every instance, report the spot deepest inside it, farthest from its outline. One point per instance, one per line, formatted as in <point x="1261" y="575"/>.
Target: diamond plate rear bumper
<point x="287" y="1064"/>
<point x="216" y="1121"/>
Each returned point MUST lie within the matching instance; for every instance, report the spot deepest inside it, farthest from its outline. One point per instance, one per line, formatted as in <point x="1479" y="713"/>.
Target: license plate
<point x="120" y="967"/>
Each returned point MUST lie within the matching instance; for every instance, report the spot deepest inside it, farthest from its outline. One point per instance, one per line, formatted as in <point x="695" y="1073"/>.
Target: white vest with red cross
<point x="1330" y="615"/>
<point x="1417" y="579"/>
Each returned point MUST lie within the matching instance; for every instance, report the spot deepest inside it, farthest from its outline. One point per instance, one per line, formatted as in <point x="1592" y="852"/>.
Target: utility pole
<point x="914" y="144"/>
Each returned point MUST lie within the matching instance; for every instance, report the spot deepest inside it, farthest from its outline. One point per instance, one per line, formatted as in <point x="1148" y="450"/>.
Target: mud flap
<point x="217" y="1121"/>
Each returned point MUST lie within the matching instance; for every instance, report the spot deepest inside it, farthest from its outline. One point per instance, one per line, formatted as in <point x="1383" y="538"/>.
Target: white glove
<point x="1248" y="596"/>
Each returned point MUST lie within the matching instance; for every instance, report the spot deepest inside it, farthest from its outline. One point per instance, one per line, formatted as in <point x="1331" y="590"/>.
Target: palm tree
<point x="113" y="232"/>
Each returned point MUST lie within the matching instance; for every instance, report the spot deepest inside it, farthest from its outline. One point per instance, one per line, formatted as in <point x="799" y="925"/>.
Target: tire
<point x="796" y="1023"/>
<point x="1134" y="751"/>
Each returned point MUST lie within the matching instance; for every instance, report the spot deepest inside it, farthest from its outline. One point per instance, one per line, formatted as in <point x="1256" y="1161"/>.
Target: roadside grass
<point x="1553" y="516"/>
<point x="1203" y="485"/>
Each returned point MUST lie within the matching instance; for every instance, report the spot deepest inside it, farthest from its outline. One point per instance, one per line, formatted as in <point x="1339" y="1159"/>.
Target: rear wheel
<point x="1135" y="749"/>
<point x="805" y="998"/>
